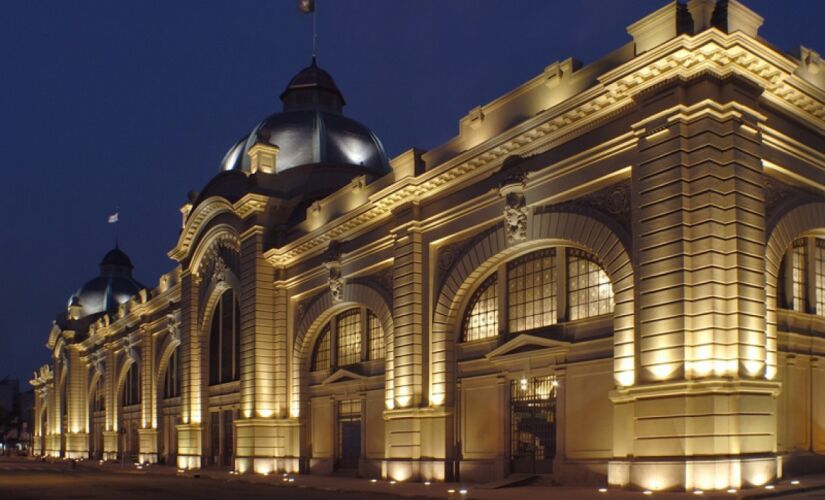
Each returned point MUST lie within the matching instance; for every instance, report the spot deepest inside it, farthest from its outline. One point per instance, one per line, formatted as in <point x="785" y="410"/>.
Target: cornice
<point x="711" y="51"/>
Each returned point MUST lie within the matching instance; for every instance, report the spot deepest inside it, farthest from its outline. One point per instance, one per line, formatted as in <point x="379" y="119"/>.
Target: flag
<point x="113" y="218"/>
<point x="306" y="6"/>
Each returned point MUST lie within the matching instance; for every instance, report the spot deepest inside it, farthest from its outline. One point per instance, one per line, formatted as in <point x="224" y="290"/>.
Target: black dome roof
<point x="312" y="129"/>
<point x="114" y="286"/>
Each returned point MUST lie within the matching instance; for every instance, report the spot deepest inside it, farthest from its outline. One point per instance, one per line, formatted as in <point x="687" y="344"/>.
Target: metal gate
<point x="533" y="425"/>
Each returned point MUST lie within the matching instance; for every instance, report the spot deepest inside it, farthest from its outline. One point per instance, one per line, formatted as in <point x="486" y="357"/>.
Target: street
<point x="34" y="480"/>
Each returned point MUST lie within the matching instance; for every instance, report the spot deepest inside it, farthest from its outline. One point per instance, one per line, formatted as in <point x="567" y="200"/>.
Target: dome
<point x="312" y="130"/>
<point x="114" y="286"/>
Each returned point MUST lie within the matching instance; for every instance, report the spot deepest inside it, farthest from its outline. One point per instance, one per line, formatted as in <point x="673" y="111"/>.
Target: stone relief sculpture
<point x="333" y="264"/>
<point x="515" y="208"/>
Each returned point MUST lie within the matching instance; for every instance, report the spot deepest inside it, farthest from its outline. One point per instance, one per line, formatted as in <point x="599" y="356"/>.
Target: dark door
<point x="533" y="425"/>
<point x="349" y="434"/>
<point x="228" y="438"/>
<point x="350" y="444"/>
<point x="214" y="437"/>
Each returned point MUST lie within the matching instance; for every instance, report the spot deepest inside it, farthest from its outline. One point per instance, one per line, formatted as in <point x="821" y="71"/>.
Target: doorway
<point x="533" y="425"/>
<point x="349" y="434"/>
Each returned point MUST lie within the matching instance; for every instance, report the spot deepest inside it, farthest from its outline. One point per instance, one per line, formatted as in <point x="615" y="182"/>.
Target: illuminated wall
<point x="678" y="166"/>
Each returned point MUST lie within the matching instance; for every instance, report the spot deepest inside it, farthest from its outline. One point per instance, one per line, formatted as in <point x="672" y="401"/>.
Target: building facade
<point x="614" y="273"/>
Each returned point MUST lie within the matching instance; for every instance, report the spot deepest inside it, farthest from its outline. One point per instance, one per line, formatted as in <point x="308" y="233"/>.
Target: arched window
<point x="349" y="338"/>
<point x="534" y="283"/>
<point x="171" y="379"/>
<point x="342" y="341"/>
<point x="482" y="320"/>
<point x="531" y="291"/>
<point x="376" y="338"/>
<point x="590" y="292"/>
<point x="819" y="276"/>
<point x="225" y="340"/>
<point x="98" y="402"/>
<point x="801" y="285"/>
<point x="130" y="393"/>
<point x="320" y="356"/>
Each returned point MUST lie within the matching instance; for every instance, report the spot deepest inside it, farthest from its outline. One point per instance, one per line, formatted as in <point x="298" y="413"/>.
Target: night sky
<point x="126" y="106"/>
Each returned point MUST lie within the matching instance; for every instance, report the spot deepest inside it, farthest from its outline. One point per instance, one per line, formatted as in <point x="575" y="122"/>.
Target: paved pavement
<point x="28" y="479"/>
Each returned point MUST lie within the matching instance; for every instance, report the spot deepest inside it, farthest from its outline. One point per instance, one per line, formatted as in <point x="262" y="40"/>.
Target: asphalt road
<point x="26" y="480"/>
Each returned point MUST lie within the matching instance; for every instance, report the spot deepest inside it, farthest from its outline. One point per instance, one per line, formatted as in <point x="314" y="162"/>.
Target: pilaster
<point x="702" y="414"/>
<point x="408" y="299"/>
<point x="110" y="440"/>
<point x="77" y="431"/>
<point x="147" y="434"/>
<point x="193" y="354"/>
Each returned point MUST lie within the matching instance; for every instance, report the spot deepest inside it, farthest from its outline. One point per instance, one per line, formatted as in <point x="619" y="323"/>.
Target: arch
<point x="219" y="234"/>
<point x="121" y="378"/>
<point x="798" y="221"/>
<point x="167" y="349"/>
<point x="200" y="217"/>
<point x="90" y="389"/>
<point x="216" y="296"/>
<point x="321" y="310"/>
<point x="491" y="249"/>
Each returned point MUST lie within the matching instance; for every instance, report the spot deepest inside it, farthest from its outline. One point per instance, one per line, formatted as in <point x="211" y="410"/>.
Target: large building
<point x="614" y="273"/>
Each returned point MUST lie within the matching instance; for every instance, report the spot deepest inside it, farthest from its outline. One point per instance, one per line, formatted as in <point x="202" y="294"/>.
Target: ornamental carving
<point x="173" y="325"/>
<point x="219" y="270"/>
<point x="381" y="281"/>
<point x="130" y="343"/>
<point x="612" y="203"/>
<point x="516" y="211"/>
<point x="97" y="362"/>
<point x="335" y="281"/>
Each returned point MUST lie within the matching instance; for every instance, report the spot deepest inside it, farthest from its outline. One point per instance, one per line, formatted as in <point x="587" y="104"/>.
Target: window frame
<point x="219" y="372"/>
<point x="363" y="349"/>
<point x="501" y="275"/>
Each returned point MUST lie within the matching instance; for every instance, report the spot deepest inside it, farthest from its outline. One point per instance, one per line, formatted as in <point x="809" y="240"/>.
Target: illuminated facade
<point x="614" y="273"/>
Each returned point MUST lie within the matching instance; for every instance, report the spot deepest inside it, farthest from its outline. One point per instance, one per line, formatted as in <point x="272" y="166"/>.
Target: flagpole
<point x="315" y="31"/>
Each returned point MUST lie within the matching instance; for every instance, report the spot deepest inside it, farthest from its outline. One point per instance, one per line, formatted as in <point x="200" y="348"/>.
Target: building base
<point x="77" y="445"/>
<point x="148" y="446"/>
<point x="267" y="446"/>
<point x="190" y="444"/>
<point x="417" y="444"/>
<point x="695" y="474"/>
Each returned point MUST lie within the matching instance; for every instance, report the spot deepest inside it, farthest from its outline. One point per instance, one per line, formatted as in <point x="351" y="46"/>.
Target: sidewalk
<point x="451" y="490"/>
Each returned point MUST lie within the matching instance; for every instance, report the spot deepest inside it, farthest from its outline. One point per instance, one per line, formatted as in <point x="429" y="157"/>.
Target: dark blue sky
<point x="114" y="105"/>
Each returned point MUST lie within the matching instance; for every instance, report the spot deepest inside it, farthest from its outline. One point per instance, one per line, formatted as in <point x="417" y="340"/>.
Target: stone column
<point x="110" y="441"/>
<point x="263" y="430"/>
<point x="193" y="380"/>
<point x="148" y="431"/>
<point x="416" y="435"/>
<point x="77" y="433"/>
<point x="699" y="248"/>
